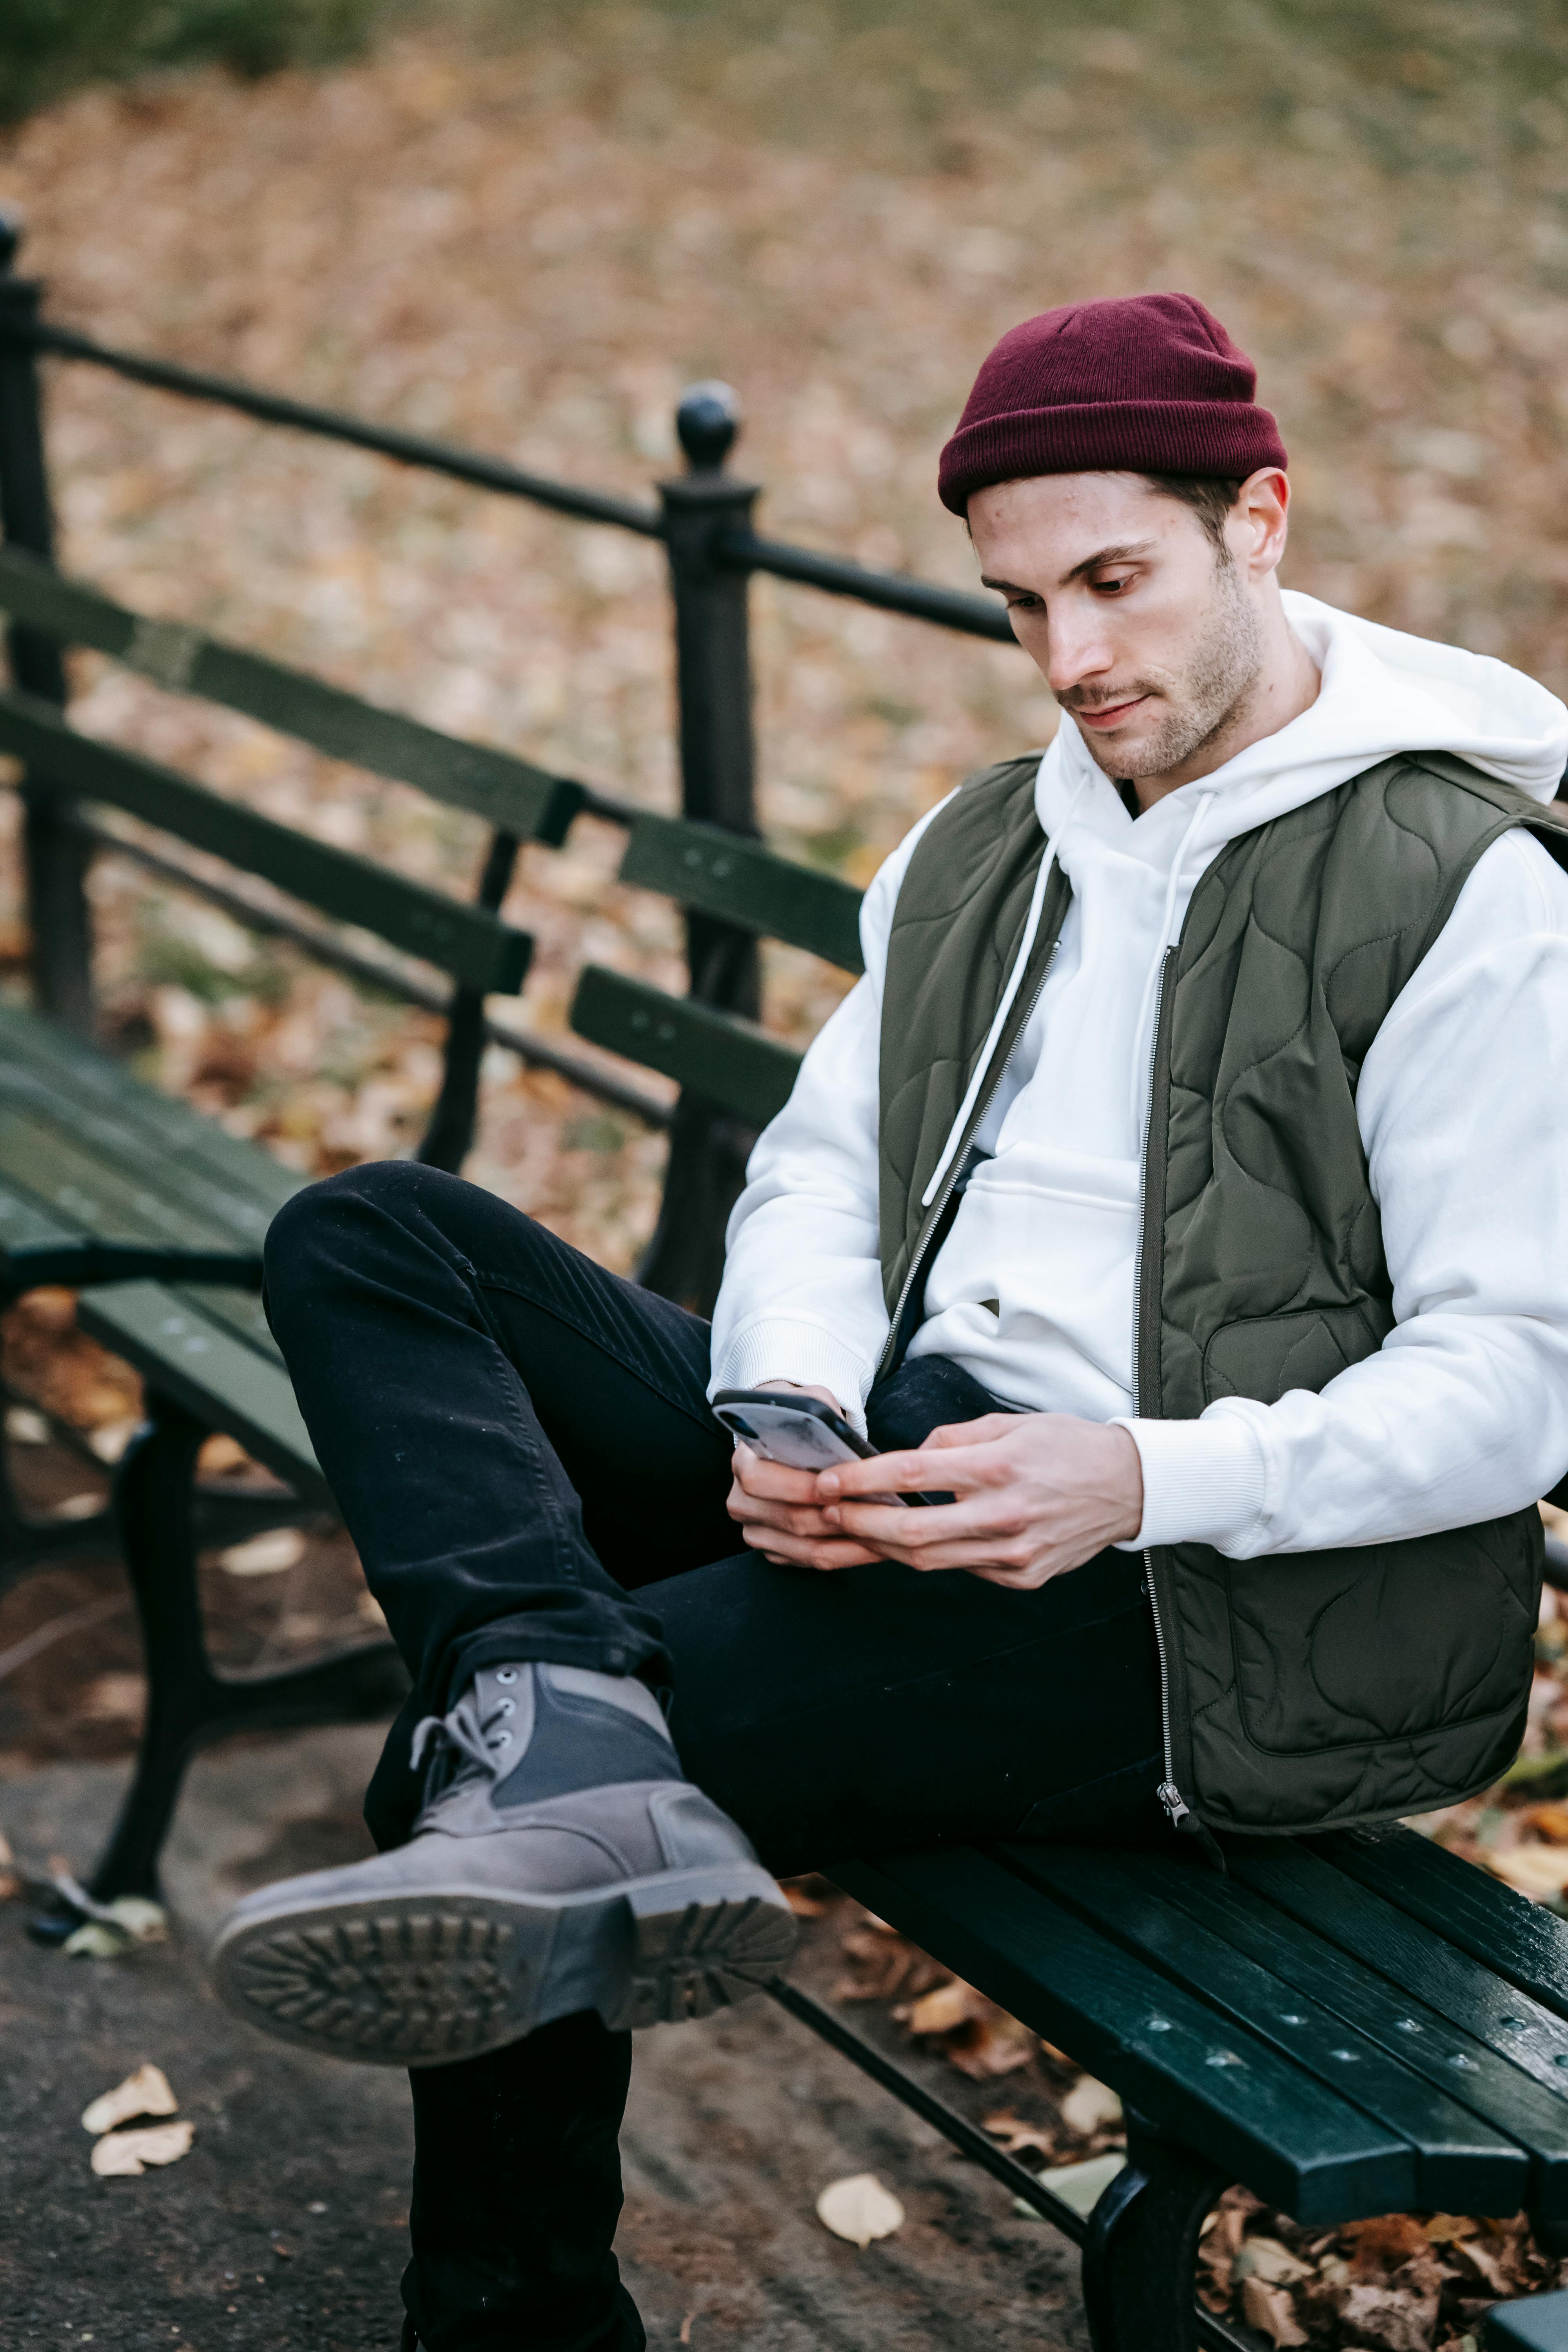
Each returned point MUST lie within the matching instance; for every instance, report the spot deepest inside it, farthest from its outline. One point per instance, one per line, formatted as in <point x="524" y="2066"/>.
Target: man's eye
<point x="1022" y="603"/>
<point x="1113" y="586"/>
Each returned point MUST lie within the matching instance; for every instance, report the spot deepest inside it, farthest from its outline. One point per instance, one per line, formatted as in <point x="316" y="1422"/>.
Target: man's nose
<point x="1078" y="649"/>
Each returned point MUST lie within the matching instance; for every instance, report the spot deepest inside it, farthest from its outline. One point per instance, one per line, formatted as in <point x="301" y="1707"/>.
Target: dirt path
<point x="284" y="2229"/>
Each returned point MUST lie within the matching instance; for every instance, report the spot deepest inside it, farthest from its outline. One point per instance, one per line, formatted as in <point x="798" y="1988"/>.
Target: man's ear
<point x="1261" y="519"/>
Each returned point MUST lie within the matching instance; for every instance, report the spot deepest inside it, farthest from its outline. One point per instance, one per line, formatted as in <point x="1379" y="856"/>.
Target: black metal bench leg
<point x="153" y="1495"/>
<point x="161" y="1522"/>
<point x="1140" y="2257"/>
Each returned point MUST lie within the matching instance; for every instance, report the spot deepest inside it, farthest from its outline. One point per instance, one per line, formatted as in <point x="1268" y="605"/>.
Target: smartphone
<point x="800" y="1431"/>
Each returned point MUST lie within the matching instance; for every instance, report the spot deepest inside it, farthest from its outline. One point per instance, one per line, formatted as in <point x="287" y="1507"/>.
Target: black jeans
<point x="521" y="1447"/>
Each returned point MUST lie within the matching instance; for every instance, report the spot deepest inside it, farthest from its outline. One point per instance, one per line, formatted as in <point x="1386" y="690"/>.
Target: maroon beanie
<point x="1150" y="386"/>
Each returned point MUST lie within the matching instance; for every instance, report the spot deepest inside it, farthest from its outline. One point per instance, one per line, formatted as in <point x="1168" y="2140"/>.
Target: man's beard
<point x="1201" y="699"/>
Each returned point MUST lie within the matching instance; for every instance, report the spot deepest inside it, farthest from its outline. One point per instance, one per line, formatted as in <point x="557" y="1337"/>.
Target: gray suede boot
<point x="561" y="1863"/>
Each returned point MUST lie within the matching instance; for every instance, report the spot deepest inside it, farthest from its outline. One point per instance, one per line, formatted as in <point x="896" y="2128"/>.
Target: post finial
<point x="707" y="420"/>
<point x="13" y="229"/>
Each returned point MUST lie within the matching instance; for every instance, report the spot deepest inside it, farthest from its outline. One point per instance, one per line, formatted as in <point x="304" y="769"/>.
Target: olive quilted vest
<point x="1309" y="1689"/>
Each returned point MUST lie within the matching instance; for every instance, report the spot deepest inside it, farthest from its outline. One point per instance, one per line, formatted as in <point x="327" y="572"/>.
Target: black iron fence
<point x="704" y="517"/>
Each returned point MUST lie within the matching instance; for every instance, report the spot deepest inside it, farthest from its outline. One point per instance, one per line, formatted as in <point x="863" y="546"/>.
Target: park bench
<point x="1348" y="2025"/>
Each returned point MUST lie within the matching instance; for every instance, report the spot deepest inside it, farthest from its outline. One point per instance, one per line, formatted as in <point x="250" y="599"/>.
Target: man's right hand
<point x="777" y="1508"/>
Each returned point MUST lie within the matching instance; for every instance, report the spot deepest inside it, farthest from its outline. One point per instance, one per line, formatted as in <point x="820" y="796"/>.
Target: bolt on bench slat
<point x="744" y="882"/>
<point x="1218" y="2088"/>
<point x="1463" y="2165"/>
<point x="728" y="1062"/>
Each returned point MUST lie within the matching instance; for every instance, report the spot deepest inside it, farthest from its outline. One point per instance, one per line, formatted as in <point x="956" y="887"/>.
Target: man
<point x="1177" y="1193"/>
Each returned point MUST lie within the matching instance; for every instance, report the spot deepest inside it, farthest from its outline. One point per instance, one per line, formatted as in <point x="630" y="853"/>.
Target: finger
<point x="911" y="1472"/>
<point x="773" y="1481"/>
<point x="800" y="1551"/>
<point x="995" y="1565"/>
<point x="981" y="1432"/>
<point x="795" y="1519"/>
<point x="987" y="1520"/>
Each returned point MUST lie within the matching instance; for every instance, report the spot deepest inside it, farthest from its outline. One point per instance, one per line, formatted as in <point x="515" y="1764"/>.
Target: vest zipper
<point x="957" y="1167"/>
<point x="1181" y="1814"/>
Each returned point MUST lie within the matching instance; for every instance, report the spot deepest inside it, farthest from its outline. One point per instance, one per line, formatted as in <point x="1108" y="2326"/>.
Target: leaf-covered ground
<point x="526" y="230"/>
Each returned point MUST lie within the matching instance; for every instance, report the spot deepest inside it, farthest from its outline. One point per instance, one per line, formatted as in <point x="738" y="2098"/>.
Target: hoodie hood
<point x="1381" y="692"/>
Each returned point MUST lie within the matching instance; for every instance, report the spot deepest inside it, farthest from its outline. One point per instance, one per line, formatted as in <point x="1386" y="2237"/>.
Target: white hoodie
<point x="1462" y="1106"/>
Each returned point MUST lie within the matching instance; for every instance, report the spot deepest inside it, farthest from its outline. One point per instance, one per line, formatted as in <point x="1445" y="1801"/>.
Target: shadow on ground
<point x="284" y="2231"/>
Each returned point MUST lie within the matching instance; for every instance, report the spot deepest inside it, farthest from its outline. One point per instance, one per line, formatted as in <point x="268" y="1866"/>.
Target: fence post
<point x="707" y="1148"/>
<point x="55" y="851"/>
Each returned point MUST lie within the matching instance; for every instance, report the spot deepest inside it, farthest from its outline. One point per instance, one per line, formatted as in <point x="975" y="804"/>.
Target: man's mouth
<point x="1107" y="715"/>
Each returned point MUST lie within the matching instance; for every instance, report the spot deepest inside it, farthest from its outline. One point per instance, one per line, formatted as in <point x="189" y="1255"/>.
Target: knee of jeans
<point x="304" y="1226"/>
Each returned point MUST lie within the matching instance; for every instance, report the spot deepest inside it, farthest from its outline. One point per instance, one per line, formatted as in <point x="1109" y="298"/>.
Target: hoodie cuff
<point x="1204" y="1481"/>
<point x="802" y="1352"/>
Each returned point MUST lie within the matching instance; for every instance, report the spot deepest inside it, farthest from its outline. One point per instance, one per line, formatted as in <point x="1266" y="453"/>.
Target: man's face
<point x="1146" y="632"/>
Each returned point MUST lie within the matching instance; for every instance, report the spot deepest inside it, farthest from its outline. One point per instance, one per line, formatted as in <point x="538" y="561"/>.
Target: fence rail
<point x="703" y="520"/>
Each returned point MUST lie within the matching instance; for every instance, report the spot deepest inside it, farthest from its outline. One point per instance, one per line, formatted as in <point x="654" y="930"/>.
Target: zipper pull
<point x="1184" y="1820"/>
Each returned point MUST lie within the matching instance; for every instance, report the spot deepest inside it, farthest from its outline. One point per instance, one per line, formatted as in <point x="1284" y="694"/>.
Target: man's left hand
<point x="1035" y="1493"/>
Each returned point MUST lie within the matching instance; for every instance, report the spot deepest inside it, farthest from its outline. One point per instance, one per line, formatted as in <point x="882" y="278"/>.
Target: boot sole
<point x="432" y="1977"/>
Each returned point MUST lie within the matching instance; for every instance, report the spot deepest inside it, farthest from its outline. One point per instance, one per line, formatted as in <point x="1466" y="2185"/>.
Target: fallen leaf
<point x="145" y="2093"/>
<point x="1473" y="2255"/>
<point x="1443" y="2228"/>
<point x="804" y="1905"/>
<point x="1016" y="2136"/>
<point x="945" y="2009"/>
<point x="113" y="1698"/>
<point x="221" y="1453"/>
<point x="1386" y="2241"/>
<point x="1266" y="2259"/>
<point x="1270" y="2310"/>
<point x="1385" y="2320"/>
<point x="1090" y="2107"/>
<point x="111" y="1928"/>
<point x="109" y="1442"/>
<point x="860" y="2210"/>
<point x="989" y="2046"/>
<point x="1547" y="1820"/>
<point x="77" y="1507"/>
<point x="1539" y="1871"/>
<point x="94" y="1941"/>
<point x="264" y="1555"/>
<point x="129" y="2153"/>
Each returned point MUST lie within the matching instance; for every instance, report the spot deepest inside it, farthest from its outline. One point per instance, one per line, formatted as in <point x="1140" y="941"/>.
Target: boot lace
<point x="459" y="1745"/>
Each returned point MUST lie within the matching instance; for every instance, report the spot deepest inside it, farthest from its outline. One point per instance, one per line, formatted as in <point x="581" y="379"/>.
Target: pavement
<point x="285" y="2228"/>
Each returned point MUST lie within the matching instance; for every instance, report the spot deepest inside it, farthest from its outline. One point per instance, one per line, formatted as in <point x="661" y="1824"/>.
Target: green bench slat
<point x="468" y="942"/>
<point x="1218" y="2087"/>
<point x="1462" y="2066"/>
<point x="744" y="882"/>
<point x="729" y="1062"/>
<point x="1539" y="2324"/>
<point x="508" y="791"/>
<point x="113" y="1188"/>
<point x="62" y="1079"/>
<point x="35" y="1249"/>
<point x="1468" y="1993"/>
<point x="193" y="1357"/>
<point x="1497" y="1925"/>
<point x="1463" y="2165"/>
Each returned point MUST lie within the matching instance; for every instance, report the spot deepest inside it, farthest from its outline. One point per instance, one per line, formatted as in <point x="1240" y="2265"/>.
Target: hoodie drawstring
<point x="1141" y="1048"/>
<point x="1014" y="982"/>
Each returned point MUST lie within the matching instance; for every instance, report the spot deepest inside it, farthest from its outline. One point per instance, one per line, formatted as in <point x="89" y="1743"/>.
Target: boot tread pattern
<point x="402" y="1986"/>
<point x="687" y="1963"/>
